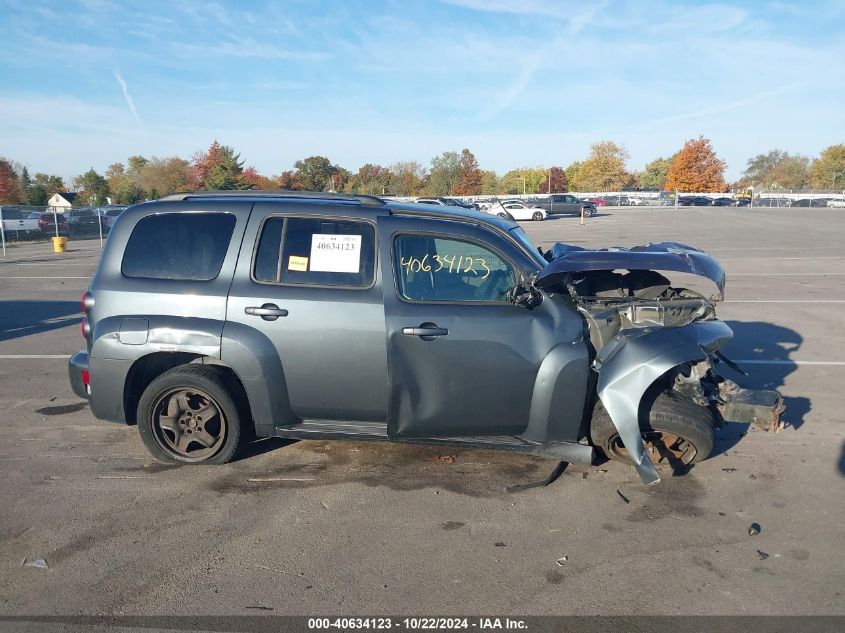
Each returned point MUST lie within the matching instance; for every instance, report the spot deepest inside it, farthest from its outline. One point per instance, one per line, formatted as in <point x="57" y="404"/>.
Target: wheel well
<point x="149" y="367"/>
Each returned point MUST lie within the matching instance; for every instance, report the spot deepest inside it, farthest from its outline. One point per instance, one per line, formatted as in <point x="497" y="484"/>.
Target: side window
<point x="439" y="269"/>
<point x="316" y="252"/>
<point x="184" y="246"/>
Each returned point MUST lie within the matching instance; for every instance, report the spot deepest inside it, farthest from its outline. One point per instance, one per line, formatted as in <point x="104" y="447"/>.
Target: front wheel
<point x="675" y="431"/>
<point x="537" y="216"/>
<point x="190" y="414"/>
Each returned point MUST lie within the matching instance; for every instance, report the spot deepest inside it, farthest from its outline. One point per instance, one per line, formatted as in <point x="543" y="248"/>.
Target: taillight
<point x="86" y="377"/>
<point x="84" y="296"/>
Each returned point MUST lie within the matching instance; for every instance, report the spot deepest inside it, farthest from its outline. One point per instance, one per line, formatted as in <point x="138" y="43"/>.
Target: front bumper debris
<point x="760" y="407"/>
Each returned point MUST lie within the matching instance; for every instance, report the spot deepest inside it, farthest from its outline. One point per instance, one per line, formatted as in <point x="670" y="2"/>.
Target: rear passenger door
<point x="308" y="282"/>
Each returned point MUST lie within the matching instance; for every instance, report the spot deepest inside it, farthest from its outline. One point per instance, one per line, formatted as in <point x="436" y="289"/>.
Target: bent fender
<point x="630" y="363"/>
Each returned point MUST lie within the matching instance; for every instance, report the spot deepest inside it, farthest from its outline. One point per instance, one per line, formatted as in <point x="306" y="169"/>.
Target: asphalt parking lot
<point x="352" y="528"/>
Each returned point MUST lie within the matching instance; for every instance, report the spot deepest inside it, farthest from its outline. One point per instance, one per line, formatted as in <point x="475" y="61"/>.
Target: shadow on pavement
<point x="27" y="317"/>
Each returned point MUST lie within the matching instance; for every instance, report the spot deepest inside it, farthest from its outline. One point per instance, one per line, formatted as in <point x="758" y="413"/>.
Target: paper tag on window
<point x="335" y="253"/>
<point x="298" y="263"/>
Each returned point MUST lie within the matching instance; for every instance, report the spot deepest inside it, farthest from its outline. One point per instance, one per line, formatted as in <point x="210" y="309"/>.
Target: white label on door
<point x="335" y="253"/>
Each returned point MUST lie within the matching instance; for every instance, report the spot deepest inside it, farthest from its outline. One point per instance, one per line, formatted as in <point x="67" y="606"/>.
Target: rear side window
<point x="316" y="252"/>
<point x="184" y="246"/>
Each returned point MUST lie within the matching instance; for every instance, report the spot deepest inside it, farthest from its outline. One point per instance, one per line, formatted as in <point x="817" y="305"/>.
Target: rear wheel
<point x="589" y="211"/>
<point x="676" y="432"/>
<point x="191" y="414"/>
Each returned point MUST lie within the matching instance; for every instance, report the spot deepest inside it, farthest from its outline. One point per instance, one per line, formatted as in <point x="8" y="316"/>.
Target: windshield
<point x="520" y="236"/>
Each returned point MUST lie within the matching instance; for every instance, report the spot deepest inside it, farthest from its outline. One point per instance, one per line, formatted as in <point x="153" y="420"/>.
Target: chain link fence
<point x="28" y="224"/>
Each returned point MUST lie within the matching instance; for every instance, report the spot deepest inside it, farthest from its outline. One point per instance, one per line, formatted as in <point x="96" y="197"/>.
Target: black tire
<point x="209" y="386"/>
<point x="537" y="216"/>
<point x="662" y="417"/>
<point x="589" y="211"/>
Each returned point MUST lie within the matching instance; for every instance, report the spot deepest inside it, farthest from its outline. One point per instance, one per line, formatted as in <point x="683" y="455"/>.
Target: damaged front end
<point x="644" y="330"/>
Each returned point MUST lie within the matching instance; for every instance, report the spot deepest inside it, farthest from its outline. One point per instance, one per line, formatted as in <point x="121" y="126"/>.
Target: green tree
<point x="219" y="168"/>
<point x="604" y="169"/>
<point x="407" y="179"/>
<point x="524" y="179"/>
<point x="444" y="173"/>
<point x="489" y="181"/>
<point x="828" y="170"/>
<point x="92" y="189"/>
<point x="469" y="176"/>
<point x="572" y="176"/>
<point x="654" y="175"/>
<point x="759" y="167"/>
<point x="315" y="173"/>
<point x="371" y="179"/>
<point x="793" y="172"/>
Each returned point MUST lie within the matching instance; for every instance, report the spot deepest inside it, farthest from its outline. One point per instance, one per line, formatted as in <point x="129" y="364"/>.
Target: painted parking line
<point x="782" y="274"/>
<point x="821" y="363"/>
<point x="32" y="356"/>
<point x="45" y="277"/>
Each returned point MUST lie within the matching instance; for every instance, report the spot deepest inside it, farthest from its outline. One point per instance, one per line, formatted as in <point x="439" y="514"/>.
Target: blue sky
<point x="85" y="83"/>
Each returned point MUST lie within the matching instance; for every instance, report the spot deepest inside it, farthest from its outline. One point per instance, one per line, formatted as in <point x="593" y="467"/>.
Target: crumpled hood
<point x="566" y="258"/>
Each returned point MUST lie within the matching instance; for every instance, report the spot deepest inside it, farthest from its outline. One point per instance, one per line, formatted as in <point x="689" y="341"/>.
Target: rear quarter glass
<point x="178" y="246"/>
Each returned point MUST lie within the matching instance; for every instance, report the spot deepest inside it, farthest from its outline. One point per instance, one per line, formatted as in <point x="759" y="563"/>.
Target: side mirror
<point x="525" y="295"/>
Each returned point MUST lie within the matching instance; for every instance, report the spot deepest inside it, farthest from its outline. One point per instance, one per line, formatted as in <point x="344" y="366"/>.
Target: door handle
<point x="268" y="311"/>
<point x="426" y="331"/>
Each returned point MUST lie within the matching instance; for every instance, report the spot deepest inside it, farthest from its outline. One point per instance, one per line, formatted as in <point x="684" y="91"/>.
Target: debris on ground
<point x="449" y="459"/>
<point x="754" y="529"/>
<point x="752" y="476"/>
<point x="624" y="498"/>
<point x="40" y="563"/>
<point x="763" y="555"/>
<point x="499" y="544"/>
<point x="729" y="470"/>
<point x="557" y="472"/>
<point x="259" y="608"/>
<point x="560" y="561"/>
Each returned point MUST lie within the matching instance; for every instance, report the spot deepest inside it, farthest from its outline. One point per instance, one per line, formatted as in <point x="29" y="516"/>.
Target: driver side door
<point x="460" y="361"/>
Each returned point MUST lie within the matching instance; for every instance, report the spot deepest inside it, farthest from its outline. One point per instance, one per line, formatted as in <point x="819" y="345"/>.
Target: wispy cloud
<point x="127" y="96"/>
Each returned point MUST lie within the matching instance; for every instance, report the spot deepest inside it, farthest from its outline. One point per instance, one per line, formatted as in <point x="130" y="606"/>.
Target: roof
<point x="70" y="196"/>
<point x="398" y="208"/>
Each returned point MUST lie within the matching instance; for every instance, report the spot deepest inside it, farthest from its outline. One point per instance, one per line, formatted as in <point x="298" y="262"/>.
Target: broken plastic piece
<point x="560" y="561"/>
<point x="40" y="563"/>
<point x="763" y="555"/>
<point x="754" y="529"/>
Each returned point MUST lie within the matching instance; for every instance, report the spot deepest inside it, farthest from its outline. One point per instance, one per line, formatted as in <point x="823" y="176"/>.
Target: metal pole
<point x="56" y="221"/>
<point x="2" y="232"/>
<point x="100" y="222"/>
<point x="676" y="199"/>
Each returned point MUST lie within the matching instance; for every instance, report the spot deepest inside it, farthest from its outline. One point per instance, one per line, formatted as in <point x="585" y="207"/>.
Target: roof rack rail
<point x="264" y="193"/>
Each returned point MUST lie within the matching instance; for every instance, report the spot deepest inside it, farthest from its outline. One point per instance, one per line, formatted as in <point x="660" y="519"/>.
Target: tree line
<point x="695" y="167"/>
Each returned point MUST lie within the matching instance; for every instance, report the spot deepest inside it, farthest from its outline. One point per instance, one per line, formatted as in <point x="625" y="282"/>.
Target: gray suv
<point x="220" y="316"/>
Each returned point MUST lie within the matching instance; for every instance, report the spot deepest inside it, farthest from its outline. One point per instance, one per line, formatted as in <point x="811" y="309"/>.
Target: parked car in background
<point x="723" y="202"/>
<point x="771" y="202"/>
<point x="83" y="222"/>
<point x="742" y="202"/>
<point x="447" y="202"/>
<point x="47" y="224"/>
<point x="695" y="201"/>
<point x="836" y="202"/>
<point x="809" y="202"/>
<point x="17" y="222"/>
<point x="110" y="214"/>
<point x="556" y="203"/>
<point x="616" y="201"/>
<point x="517" y="210"/>
<point x="599" y="202"/>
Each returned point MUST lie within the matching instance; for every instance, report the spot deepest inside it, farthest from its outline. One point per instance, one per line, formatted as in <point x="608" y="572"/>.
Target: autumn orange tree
<point x="469" y="176"/>
<point x="696" y="168"/>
